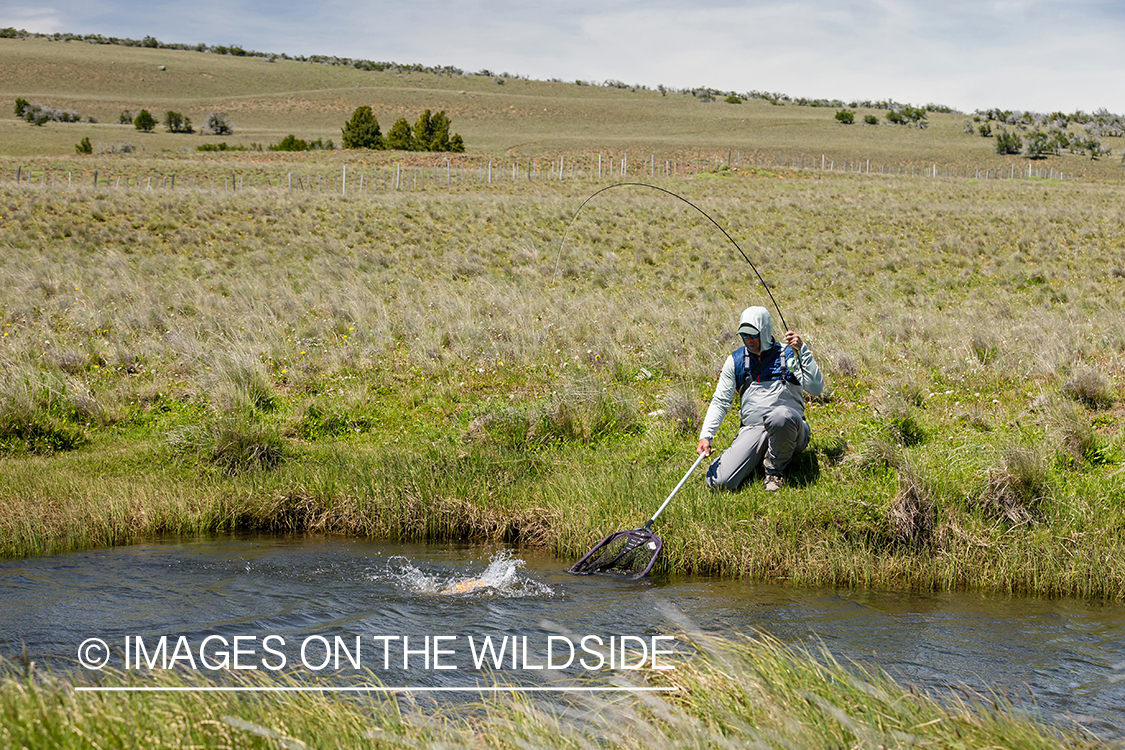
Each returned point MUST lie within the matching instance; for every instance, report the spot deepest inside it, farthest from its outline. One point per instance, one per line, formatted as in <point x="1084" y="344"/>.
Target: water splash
<point x="502" y="577"/>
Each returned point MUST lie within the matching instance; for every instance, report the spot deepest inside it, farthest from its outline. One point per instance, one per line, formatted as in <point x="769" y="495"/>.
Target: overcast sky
<point x="1039" y="55"/>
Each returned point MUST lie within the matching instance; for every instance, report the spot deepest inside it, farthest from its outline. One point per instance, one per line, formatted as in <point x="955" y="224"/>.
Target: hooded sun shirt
<point x="770" y="378"/>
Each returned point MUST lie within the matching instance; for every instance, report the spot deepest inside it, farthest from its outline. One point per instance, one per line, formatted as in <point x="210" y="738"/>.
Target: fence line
<point x="444" y="174"/>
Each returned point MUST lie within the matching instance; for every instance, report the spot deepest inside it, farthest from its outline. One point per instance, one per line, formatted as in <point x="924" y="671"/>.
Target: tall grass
<point x="740" y="693"/>
<point x="425" y="371"/>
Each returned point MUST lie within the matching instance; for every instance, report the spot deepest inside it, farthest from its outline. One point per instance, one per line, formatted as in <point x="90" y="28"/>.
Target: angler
<point x="769" y="379"/>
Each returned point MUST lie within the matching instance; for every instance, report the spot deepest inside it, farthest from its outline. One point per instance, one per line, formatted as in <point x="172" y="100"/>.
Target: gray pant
<point x="771" y="445"/>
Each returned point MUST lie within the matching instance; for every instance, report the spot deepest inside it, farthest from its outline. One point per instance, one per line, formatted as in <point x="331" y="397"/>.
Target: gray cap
<point x="746" y="328"/>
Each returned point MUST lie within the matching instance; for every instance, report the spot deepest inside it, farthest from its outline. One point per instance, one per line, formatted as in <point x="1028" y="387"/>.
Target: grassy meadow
<point x="434" y="364"/>
<point x="497" y="116"/>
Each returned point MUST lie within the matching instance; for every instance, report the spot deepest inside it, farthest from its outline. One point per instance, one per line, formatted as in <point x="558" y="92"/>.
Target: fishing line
<point x="558" y="257"/>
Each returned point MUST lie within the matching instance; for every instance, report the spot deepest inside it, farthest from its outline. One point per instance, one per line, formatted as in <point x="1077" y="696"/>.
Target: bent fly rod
<point x="708" y="216"/>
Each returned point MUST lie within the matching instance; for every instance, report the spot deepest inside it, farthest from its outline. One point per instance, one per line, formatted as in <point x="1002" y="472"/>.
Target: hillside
<point x="268" y="99"/>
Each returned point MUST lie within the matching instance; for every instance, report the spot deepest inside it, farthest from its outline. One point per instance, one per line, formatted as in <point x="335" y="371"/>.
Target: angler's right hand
<point x="704" y="447"/>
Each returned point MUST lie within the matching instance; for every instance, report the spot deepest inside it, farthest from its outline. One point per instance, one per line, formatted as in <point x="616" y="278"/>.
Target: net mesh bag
<point x="626" y="553"/>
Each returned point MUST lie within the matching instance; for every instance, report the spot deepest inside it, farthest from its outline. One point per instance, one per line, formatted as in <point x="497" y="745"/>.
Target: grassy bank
<point x="731" y="695"/>
<point x="431" y="366"/>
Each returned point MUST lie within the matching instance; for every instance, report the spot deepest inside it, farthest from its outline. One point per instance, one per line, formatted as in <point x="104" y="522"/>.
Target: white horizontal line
<point x="372" y="689"/>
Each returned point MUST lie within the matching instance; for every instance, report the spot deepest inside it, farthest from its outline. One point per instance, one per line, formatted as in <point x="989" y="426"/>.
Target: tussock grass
<point x="235" y="444"/>
<point x="427" y="373"/>
<point x="1017" y="486"/>
<point x="1090" y="388"/>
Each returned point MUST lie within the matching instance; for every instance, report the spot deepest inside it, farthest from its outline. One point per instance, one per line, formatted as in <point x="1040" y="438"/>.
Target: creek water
<point x="1063" y="660"/>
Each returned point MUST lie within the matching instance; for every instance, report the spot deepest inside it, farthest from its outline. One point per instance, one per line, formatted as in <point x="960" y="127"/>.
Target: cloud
<point x="35" y="20"/>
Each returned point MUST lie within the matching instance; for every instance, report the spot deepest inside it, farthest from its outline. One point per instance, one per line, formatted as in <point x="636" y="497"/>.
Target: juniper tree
<point x="401" y="137"/>
<point x="144" y="121"/>
<point x="362" y="130"/>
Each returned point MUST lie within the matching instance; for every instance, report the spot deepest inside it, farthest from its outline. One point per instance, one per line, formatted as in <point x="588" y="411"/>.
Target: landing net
<point x="626" y="553"/>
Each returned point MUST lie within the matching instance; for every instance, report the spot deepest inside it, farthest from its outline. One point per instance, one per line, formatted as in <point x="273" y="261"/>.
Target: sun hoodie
<point x="771" y="378"/>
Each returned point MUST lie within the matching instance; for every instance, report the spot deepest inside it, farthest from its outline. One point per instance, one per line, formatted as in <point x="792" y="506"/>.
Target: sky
<point x="1031" y="55"/>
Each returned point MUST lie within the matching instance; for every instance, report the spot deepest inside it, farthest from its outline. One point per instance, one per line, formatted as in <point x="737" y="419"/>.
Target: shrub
<point x="223" y="146"/>
<point x="1039" y="145"/>
<point x="217" y="123"/>
<point x="293" y="143"/>
<point x="1008" y="142"/>
<point x="908" y="115"/>
<point x="1096" y="148"/>
<point x="144" y="121"/>
<point x="125" y="118"/>
<point x="84" y="147"/>
<point x="177" y="123"/>
<point x="733" y="99"/>
<point x="116" y="148"/>
<point x="38" y="114"/>
<point x="871" y="120"/>
<point x="845" y="116"/>
<point x="362" y="130"/>
<point x="985" y="130"/>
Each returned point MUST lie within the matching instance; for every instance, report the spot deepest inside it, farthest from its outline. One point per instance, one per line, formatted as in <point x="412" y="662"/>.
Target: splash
<point x="502" y="577"/>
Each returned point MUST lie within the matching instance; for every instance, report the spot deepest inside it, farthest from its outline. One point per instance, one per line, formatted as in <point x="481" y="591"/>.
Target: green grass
<point x="412" y="366"/>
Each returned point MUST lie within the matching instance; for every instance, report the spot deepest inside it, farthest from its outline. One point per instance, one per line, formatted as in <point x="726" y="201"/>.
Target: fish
<point x="464" y="587"/>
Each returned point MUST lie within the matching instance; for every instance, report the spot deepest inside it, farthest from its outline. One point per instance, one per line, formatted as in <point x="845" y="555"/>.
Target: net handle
<point x="651" y="521"/>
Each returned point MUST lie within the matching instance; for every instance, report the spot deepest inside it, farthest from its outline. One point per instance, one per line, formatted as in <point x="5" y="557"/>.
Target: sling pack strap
<point x="773" y="367"/>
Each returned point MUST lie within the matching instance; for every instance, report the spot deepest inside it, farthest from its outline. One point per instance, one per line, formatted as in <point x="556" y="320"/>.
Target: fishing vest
<point x="769" y="366"/>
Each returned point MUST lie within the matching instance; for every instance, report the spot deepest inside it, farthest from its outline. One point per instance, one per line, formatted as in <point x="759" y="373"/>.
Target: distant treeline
<point x="236" y="51"/>
<point x="701" y="93"/>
